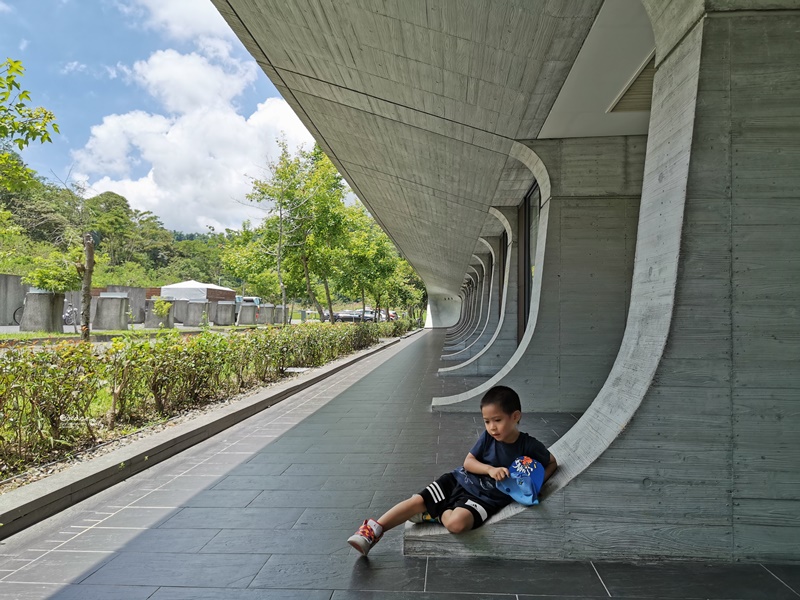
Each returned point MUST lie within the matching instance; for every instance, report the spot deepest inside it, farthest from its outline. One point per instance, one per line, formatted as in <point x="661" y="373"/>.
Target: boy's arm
<point x="473" y="465"/>
<point x="551" y="467"/>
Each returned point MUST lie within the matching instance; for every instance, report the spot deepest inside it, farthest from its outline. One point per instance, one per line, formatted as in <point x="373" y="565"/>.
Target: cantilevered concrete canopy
<point x="417" y="102"/>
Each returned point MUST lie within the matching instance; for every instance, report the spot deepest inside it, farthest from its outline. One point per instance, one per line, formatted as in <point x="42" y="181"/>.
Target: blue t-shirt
<point x="498" y="454"/>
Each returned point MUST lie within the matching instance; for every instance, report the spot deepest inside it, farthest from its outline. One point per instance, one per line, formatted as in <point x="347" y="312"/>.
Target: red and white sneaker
<point x="366" y="537"/>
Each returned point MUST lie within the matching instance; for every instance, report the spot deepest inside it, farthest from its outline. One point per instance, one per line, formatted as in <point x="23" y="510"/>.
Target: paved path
<point x="263" y="511"/>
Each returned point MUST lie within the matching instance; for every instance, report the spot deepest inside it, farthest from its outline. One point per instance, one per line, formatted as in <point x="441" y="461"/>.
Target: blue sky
<point x="156" y="100"/>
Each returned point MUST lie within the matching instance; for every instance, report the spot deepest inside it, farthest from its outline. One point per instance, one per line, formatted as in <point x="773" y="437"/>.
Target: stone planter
<point x="153" y="321"/>
<point x="43" y="312"/>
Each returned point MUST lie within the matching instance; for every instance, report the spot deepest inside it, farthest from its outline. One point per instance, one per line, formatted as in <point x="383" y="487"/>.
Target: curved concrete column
<point x="491" y="315"/>
<point x="470" y="313"/>
<point x="467" y="307"/>
<point x="583" y="268"/>
<point x="649" y="319"/>
<point x="503" y="341"/>
<point x="481" y="300"/>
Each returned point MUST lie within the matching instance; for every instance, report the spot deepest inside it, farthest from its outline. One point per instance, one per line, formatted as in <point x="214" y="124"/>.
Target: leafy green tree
<point x="112" y="226"/>
<point x="20" y="124"/>
<point x="304" y="195"/>
<point x="369" y="258"/>
<point x="57" y="271"/>
<point x="47" y="212"/>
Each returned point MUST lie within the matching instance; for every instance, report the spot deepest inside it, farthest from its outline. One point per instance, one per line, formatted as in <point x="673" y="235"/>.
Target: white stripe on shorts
<point x="436" y="492"/>
<point x="481" y="511"/>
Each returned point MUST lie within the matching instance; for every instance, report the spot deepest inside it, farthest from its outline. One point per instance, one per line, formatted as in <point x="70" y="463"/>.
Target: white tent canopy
<point x="191" y="290"/>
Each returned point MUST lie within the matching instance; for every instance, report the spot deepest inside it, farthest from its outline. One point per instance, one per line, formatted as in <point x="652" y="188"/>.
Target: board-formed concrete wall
<point x="690" y="449"/>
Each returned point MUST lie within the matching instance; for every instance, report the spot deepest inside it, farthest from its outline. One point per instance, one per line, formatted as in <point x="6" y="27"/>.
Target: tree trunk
<point x="280" y="274"/>
<point x="328" y="299"/>
<point x="311" y="296"/>
<point x="86" y="288"/>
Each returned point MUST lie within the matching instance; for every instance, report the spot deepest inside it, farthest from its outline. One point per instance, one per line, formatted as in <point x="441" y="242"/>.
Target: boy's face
<point x="501" y="426"/>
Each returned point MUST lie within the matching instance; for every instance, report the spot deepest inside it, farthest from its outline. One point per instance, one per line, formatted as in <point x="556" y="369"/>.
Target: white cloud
<point x="23" y="43"/>
<point x="181" y="19"/>
<point x="4" y="7"/>
<point x="184" y="82"/>
<point x="73" y="67"/>
<point x="192" y="165"/>
<point x="202" y="162"/>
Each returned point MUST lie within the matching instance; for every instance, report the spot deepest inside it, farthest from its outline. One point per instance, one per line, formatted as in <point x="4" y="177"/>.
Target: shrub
<point x="50" y="396"/>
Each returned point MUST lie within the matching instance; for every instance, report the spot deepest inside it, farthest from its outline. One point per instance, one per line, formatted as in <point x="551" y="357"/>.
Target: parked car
<point x="354" y="316"/>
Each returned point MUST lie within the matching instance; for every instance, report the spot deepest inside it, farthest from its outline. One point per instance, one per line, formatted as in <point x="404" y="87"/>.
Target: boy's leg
<point x="371" y="531"/>
<point x="402" y="511"/>
<point x="457" y="520"/>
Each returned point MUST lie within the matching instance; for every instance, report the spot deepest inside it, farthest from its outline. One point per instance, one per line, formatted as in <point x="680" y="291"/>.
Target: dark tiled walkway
<point x="263" y="510"/>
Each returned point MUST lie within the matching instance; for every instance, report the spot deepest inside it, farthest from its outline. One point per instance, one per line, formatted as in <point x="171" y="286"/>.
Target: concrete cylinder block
<point x="261" y="316"/>
<point x="268" y="311"/>
<point x="196" y="313"/>
<point x="247" y="315"/>
<point x="180" y="310"/>
<point x="226" y="313"/>
<point x="112" y="313"/>
<point x="153" y="321"/>
<point x="43" y="312"/>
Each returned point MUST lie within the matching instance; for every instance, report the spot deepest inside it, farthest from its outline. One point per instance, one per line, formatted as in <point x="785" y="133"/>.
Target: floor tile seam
<point x="596" y="572"/>
<point x="791" y="589"/>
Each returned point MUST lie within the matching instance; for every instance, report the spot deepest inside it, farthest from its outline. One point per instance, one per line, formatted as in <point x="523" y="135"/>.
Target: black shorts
<point x="446" y="494"/>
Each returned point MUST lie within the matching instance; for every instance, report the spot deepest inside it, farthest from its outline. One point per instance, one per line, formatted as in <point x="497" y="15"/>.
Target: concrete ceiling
<point x="418" y="101"/>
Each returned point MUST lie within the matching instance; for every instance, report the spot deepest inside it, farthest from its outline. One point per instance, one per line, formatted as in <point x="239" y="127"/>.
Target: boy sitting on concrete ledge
<point x="463" y="499"/>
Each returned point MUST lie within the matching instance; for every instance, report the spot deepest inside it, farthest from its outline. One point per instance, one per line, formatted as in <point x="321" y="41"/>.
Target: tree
<point x="304" y="196"/>
<point x="20" y="124"/>
<point x="369" y="258"/>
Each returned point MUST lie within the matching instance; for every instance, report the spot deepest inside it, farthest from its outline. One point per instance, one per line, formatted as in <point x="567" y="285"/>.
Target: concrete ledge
<point x="27" y="505"/>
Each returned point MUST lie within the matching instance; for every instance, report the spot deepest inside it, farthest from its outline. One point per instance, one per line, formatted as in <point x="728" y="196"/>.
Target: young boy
<point x="464" y="498"/>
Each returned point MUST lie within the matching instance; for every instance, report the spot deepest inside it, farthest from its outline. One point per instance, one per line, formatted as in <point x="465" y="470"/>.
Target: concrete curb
<point x="27" y="505"/>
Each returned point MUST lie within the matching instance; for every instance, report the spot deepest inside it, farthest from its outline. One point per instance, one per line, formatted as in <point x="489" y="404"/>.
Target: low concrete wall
<point x="180" y="310"/>
<point x="269" y="313"/>
<point x="247" y="315"/>
<point x="136" y="300"/>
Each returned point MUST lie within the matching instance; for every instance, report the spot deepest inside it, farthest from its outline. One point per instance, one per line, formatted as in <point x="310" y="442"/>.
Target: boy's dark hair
<point x="504" y="397"/>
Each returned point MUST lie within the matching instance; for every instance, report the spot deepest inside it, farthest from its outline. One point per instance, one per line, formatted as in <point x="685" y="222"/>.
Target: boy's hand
<point x="498" y="473"/>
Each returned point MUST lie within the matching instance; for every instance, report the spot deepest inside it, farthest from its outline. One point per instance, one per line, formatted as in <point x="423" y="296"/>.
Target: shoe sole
<point x="358" y="547"/>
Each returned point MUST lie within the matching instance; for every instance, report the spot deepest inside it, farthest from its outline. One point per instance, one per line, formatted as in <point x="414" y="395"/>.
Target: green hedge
<point x="55" y="398"/>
